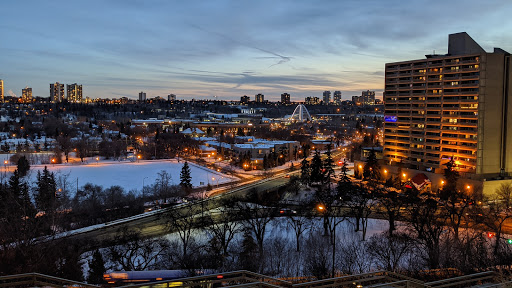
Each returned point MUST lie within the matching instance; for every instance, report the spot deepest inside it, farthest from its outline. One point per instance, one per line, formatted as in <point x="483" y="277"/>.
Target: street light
<point x="97" y="160"/>
<point x="138" y="158"/>
<point x="322" y="209"/>
<point x="5" y="166"/>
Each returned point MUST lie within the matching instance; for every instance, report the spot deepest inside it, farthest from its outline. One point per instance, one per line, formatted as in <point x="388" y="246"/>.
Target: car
<point x="287" y="176"/>
<point x="287" y="211"/>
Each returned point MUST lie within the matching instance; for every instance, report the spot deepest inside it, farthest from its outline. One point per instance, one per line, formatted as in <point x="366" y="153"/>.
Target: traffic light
<point x="490" y="235"/>
<point x="509" y="241"/>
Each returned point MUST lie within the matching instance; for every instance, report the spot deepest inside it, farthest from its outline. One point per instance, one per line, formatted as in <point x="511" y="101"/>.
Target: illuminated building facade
<point x="74" y="93"/>
<point x="285" y="98"/>
<point x="2" y="90"/>
<point x="26" y="95"/>
<point x="56" y="92"/>
<point x="455" y="105"/>
<point x="259" y="98"/>
<point x="327" y="97"/>
<point x="337" y="97"/>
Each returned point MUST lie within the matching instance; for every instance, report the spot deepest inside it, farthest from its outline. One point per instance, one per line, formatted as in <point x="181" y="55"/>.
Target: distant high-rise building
<point x="312" y="100"/>
<point x="259" y="98"/>
<point x="368" y="97"/>
<point x="56" y="92"/>
<point x="26" y="94"/>
<point x="337" y="97"/>
<point x="285" y="98"/>
<point x="74" y="93"/>
<point x="142" y="96"/>
<point x="454" y="106"/>
<point x="245" y="99"/>
<point x="327" y="97"/>
<point x="357" y="100"/>
<point x="1" y="90"/>
<point x="171" y="97"/>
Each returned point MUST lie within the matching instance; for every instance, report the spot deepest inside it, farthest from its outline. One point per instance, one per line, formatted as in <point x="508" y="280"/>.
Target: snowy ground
<point x="130" y="175"/>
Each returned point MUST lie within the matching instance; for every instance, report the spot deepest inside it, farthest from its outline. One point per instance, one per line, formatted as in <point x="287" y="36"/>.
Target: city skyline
<point x="227" y="49"/>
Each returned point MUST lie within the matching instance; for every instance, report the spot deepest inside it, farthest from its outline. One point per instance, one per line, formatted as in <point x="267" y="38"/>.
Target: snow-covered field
<point x="129" y="175"/>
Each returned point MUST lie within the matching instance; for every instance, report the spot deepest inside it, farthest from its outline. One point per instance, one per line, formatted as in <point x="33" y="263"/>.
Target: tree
<point x="23" y="166"/>
<point x="46" y="190"/>
<point x="316" y="168"/>
<point x="305" y="171"/>
<point x="452" y="177"/>
<point x="185" y="178"/>
<point x="96" y="268"/>
<point x="389" y="250"/>
<point x="371" y="170"/>
<point x="328" y="163"/>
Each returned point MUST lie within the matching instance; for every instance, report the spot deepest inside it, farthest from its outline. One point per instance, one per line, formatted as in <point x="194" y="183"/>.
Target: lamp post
<point x="322" y="209"/>
<point x="97" y="160"/>
<point x="5" y="167"/>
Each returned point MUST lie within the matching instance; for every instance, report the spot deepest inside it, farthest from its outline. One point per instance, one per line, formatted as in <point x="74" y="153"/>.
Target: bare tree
<point x="133" y="253"/>
<point x="389" y="250"/>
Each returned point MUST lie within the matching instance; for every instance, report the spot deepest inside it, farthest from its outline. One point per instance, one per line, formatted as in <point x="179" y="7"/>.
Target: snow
<point x="130" y="175"/>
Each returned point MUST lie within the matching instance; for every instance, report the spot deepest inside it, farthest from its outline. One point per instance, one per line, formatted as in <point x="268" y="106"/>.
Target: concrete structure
<point x="56" y="92"/>
<point x="171" y="97"/>
<point x="455" y="105"/>
<point x="74" y="93"/>
<point x="2" y="90"/>
<point x="142" y="96"/>
<point x="259" y="98"/>
<point x="326" y="97"/>
<point x="285" y="98"/>
<point x="337" y="97"/>
<point x="26" y="94"/>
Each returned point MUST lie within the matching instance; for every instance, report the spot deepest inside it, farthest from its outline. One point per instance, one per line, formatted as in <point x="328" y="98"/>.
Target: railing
<point x="36" y="279"/>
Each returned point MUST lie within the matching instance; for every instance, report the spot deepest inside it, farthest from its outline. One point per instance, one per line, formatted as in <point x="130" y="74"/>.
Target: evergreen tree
<point x="46" y="190"/>
<point x="316" y="168"/>
<point x="452" y="176"/>
<point x="328" y="163"/>
<point x="96" y="268"/>
<point x="185" y="178"/>
<point x="371" y="170"/>
<point x="23" y="166"/>
<point x="305" y="171"/>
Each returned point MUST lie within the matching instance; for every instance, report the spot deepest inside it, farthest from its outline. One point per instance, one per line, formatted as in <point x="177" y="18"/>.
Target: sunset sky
<point x="202" y="49"/>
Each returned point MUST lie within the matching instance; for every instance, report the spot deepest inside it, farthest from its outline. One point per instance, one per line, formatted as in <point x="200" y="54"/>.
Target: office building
<point x="455" y="105"/>
<point x="2" y="90"/>
<point x="142" y="96"/>
<point x="327" y="97"/>
<point x="368" y="97"/>
<point x="245" y="99"/>
<point x="171" y="97"/>
<point x="74" y="93"/>
<point x="259" y="98"/>
<point x="56" y="92"/>
<point x="337" y="97"/>
<point x="285" y="98"/>
<point x="26" y="95"/>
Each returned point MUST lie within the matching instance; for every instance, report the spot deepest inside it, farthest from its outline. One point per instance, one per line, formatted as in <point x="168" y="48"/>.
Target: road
<point x="154" y="223"/>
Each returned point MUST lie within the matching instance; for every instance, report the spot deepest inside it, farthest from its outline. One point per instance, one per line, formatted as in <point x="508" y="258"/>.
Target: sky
<point x="225" y="49"/>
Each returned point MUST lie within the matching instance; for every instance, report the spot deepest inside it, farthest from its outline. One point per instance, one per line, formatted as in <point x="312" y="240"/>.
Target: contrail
<point x="283" y="59"/>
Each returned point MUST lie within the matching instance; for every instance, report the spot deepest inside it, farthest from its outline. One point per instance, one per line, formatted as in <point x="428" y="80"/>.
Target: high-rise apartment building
<point x="142" y="96"/>
<point x="2" y="90"/>
<point x="285" y="98"/>
<point x="26" y="95"/>
<point x="368" y="97"/>
<point x="74" y="93"/>
<point x="56" y="92"/>
<point x="455" y="105"/>
<point x="259" y="98"/>
<point x="313" y="100"/>
<point x="245" y="99"/>
<point x="337" y="97"/>
<point x="327" y="97"/>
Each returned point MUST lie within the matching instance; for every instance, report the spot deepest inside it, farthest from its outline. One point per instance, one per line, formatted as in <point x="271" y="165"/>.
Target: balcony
<point x="472" y="76"/>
